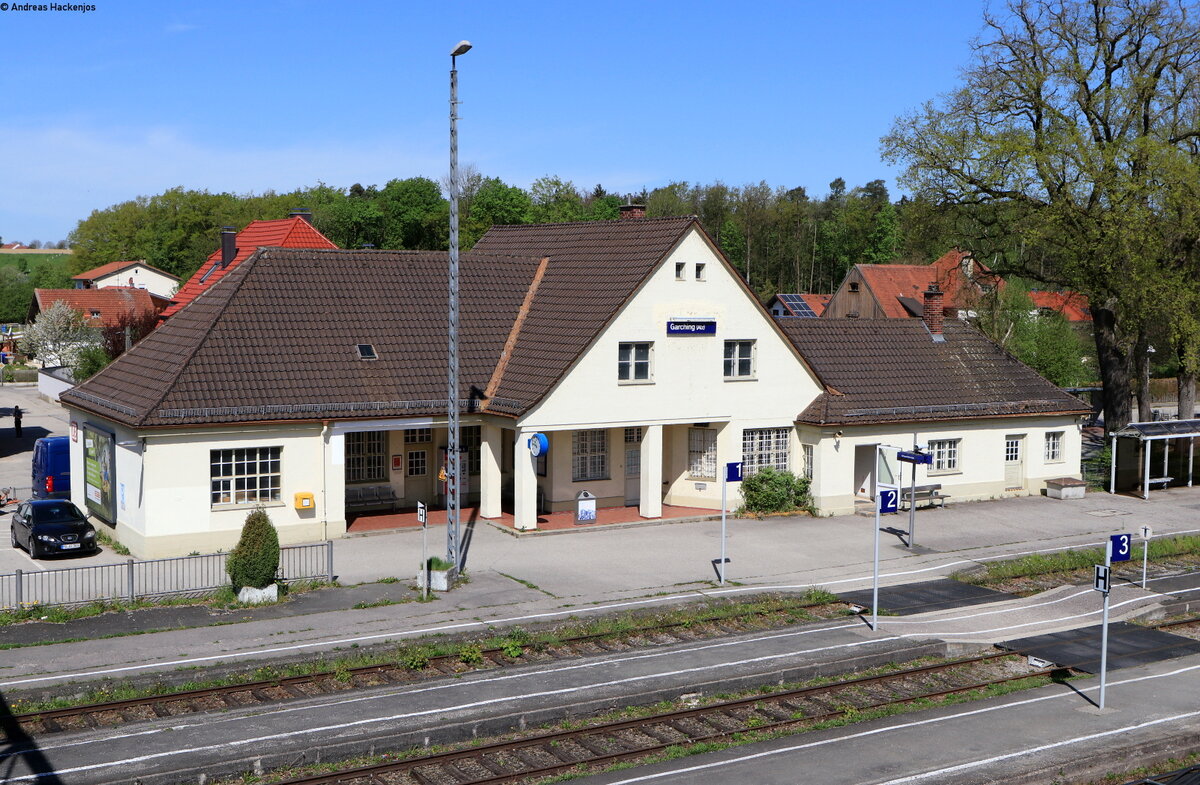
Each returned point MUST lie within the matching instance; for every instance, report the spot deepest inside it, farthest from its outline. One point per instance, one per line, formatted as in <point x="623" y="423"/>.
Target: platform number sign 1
<point x="889" y="500"/>
<point x="1120" y="546"/>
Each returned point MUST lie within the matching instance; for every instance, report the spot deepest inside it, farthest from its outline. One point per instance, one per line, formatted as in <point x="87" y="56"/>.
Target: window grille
<point x="589" y="455"/>
<point x="764" y="447"/>
<point x="247" y="475"/>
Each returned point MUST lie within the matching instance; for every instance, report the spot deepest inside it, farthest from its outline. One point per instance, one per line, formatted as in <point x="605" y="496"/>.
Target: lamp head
<point x="462" y="48"/>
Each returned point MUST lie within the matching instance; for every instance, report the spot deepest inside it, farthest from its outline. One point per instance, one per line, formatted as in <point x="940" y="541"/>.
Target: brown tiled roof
<point x="116" y="267"/>
<point x="595" y="266"/>
<point x="891" y="370"/>
<point x="112" y="304"/>
<point x="1072" y="305"/>
<point x="294" y="232"/>
<point x="277" y="339"/>
<point x="891" y="283"/>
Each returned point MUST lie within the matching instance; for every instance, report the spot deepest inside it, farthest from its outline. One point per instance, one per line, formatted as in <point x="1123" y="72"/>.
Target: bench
<point x="364" y="498"/>
<point x="932" y="494"/>
<point x="1165" y="481"/>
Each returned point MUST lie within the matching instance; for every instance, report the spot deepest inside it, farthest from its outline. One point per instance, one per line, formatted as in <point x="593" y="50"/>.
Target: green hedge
<point x="770" y="490"/>
<point x="255" y="559"/>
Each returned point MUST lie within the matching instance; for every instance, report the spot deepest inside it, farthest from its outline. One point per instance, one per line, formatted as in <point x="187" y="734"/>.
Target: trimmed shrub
<point x="255" y="559"/>
<point x="770" y="490"/>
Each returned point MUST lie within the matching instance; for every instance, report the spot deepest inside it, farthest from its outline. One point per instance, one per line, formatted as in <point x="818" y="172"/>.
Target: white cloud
<point x="56" y="175"/>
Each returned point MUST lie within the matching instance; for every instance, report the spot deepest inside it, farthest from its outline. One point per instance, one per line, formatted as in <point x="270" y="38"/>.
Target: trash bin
<point x="585" y="507"/>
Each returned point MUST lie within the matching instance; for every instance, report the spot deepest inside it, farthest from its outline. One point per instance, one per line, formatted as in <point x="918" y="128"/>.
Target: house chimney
<point x="630" y="211"/>
<point x="932" y="312"/>
<point x="302" y="212"/>
<point x="228" y="245"/>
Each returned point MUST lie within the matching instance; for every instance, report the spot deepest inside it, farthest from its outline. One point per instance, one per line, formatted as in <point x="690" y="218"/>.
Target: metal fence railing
<point x="134" y="580"/>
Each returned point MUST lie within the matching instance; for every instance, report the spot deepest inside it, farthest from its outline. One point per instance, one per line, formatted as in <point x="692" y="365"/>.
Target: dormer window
<point x="366" y="351"/>
<point x="94" y="314"/>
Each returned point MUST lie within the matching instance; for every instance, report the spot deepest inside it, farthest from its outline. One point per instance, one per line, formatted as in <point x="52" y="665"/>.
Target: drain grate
<point x="1108" y="513"/>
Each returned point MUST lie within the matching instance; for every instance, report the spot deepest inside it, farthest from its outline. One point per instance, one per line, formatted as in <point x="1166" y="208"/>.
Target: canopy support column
<point x="1146" y="470"/>
<point x="1112" y="469"/>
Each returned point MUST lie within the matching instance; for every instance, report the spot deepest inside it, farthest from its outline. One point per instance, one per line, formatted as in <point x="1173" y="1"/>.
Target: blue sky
<point x="137" y="97"/>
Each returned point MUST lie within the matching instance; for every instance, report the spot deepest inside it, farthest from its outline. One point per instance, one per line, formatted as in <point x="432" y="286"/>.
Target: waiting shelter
<point x="1164" y="431"/>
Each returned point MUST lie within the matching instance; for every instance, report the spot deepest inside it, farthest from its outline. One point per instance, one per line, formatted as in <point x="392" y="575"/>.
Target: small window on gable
<point x="680" y="271"/>
<point x="366" y="351"/>
<point x="854" y="286"/>
<point x="699" y="271"/>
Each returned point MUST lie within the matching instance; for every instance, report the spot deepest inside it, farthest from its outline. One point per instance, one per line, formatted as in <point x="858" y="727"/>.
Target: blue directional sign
<point x="889" y="500"/>
<point x="1120" y="546"/>
<point x="914" y="457"/>
<point x="733" y="471"/>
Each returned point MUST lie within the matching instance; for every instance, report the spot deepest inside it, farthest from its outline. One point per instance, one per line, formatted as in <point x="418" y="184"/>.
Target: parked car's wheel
<point x="35" y="550"/>
<point x="12" y="533"/>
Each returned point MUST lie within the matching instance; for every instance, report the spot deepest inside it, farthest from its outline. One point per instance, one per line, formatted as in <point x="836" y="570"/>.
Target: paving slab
<point x="1129" y="646"/>
<point x="924" y="596"/>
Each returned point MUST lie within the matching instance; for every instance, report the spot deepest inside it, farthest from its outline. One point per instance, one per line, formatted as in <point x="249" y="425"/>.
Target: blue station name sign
<point x="692" y="327"/>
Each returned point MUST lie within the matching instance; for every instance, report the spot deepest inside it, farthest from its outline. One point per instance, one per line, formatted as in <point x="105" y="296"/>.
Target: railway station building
<point x="312" y="382"/>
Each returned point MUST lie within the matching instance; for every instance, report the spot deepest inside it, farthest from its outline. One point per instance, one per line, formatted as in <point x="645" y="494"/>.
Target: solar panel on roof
<point x="797" y="305"/>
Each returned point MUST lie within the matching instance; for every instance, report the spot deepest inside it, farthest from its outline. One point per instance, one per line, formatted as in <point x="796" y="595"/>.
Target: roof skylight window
<point x="366" y="351"/>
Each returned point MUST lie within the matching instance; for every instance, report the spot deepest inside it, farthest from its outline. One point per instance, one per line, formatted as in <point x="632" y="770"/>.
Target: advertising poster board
<point x="99" y="468"/>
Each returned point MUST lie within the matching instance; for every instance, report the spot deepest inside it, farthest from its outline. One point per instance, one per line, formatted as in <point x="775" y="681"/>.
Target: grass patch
<point x="528" y="584"/>
<point x="107" y="541"/>
<point x="415" y="655"/>
<point x="1068" y="561"/>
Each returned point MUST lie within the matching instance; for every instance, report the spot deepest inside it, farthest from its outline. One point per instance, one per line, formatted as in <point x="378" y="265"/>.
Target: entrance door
<point x="864" y="470"/>
<point x="418" y="480"/>
<point x="633" y="467"/>
<point x="1014" y="463"/>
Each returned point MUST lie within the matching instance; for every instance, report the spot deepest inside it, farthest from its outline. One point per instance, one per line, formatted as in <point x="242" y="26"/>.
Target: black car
<point x="46" y="526"/>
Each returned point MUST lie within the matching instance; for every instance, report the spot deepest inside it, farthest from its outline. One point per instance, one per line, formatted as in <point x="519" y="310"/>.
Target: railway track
<point x="547" y="754"/>
<point x="521" y="650"/>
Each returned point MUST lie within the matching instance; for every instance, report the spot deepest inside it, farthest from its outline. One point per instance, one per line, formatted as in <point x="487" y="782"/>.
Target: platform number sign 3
<point x="1120" y="546"/>
<point x="889" y="500"/>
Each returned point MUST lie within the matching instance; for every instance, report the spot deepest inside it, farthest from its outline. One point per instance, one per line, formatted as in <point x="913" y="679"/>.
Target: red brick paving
<point x="555" y="521"/>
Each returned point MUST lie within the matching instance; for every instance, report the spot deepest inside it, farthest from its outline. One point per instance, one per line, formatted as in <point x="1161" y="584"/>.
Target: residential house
<point x="132" y="275"/>
<point x="803" y="306"/>
<point x="295" y="231"/>
<point x="112" y="306"/>
<point x="631" y="348"/>
<point x="895" y="291"/>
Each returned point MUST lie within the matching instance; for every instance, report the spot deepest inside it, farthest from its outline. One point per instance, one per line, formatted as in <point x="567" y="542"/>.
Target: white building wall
<point x="981" y="472"/>
<point x="688" y="385"/>
<point x="143" y="278"/>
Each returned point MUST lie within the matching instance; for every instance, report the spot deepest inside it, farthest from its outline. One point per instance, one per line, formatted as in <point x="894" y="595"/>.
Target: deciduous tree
<point x="1076" y="126"/>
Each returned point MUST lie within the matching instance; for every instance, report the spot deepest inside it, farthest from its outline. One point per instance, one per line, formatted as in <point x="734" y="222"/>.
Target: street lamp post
<point x="453" y="541"/>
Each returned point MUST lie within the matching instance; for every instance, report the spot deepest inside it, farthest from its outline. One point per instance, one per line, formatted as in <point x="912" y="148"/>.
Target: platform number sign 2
<point x="1120" y="546"/>
<point x="889" y="500"/>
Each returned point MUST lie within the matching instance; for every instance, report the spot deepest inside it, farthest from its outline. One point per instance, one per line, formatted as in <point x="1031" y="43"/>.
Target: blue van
<point x="52" y="468"/>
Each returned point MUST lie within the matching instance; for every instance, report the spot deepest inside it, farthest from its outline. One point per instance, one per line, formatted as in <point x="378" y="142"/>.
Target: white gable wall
<point x="687" y="386"/>
<point x="142" y="277"/>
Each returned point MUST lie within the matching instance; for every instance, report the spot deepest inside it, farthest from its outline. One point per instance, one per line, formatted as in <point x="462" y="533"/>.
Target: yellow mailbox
<point x="304" y="501"/>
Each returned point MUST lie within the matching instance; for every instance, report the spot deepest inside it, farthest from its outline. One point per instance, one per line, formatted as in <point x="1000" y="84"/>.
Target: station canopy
<point x="1161" y="429"/>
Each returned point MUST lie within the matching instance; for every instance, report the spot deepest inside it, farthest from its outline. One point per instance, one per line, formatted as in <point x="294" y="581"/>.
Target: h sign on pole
<point x="1147" y="533"/>
<point x="1108" y="555"/>
<point x="422" y="517"/>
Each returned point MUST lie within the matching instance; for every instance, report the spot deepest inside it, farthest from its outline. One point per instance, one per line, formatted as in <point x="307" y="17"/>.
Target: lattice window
<point x="702" y="453"/>
<point x="248" y="475"/>
<point x="1054" y="446"/>
<point x="418" y="436"/>
<point x="418" y="463"/>
<point x="765" y="447"/>
<point x="366" y="456"/>
<point x="945" y="454"/>
<point x="589" y="455"/>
